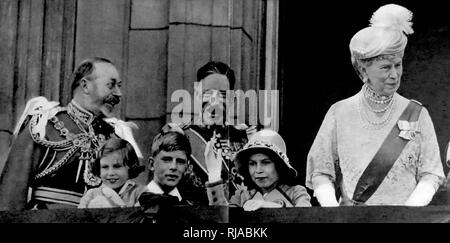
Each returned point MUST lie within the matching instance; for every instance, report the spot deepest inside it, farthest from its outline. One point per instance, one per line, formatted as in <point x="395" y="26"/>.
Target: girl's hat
<point x="265" y="141"/>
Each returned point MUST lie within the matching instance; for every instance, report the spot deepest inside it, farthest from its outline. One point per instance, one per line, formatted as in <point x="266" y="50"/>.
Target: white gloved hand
<point x="325" y="194"/>
<point x="213" y="161"/>
<point x="255" y="204"/>
<point x="422" y="195"/>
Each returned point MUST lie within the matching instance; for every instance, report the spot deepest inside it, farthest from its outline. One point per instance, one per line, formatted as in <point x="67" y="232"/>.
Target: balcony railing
<point x="217" y="214"/>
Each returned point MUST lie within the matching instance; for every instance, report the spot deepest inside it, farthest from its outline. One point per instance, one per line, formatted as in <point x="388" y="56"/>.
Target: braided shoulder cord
<point x="50" y="144"/>
<point x="73" y="143"/>
<point x="58" y="164"/>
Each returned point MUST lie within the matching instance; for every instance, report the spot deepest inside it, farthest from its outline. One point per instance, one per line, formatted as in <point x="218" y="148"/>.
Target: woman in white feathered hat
<point x="377" y="147"/>
<point x="268" y="175"/>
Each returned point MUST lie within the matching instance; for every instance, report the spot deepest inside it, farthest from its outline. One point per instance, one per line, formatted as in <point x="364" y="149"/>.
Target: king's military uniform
<point x="49" y="164"/>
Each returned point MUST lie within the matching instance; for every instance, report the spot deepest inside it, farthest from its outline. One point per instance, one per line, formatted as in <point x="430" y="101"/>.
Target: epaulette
<point x="40" y="110"/>
<point x="38" y="127"/>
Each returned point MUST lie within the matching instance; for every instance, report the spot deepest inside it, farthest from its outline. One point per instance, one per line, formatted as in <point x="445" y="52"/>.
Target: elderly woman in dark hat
<point x="377" y="147"/>
<point x="267" y="173"/>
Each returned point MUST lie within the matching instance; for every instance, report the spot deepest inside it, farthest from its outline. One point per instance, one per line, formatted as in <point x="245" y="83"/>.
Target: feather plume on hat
<point x="385" y="35"/>
<point x="394" y="16"/>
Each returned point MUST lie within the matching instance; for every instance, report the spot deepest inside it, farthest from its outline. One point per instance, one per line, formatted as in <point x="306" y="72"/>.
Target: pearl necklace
<point x="368" y="106"/>
<point x="375" y="125"/>
<point x="373" y="96"/>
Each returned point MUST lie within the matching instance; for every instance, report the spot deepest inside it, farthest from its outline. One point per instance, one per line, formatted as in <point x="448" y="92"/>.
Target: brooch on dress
<point x="408" y="130"/>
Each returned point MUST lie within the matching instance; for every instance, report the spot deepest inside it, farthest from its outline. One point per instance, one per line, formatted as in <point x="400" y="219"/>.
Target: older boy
<point x="169" y="162"/>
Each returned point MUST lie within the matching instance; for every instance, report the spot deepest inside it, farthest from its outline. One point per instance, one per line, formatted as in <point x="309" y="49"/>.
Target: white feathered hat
<point x="386" y="34"/>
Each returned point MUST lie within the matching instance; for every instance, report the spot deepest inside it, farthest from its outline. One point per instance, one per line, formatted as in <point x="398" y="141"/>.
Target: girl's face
<point x="384" y="75"/>
<point x="113" y="172"/>
<point x="263" y="172"/>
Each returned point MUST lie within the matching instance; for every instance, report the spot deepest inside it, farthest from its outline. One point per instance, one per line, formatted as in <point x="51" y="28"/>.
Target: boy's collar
<point x="155" y="188"/>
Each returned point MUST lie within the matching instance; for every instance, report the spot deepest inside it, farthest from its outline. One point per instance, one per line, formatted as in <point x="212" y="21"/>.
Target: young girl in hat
<point x="268" y="175"/>
<point x="117" y="166"/>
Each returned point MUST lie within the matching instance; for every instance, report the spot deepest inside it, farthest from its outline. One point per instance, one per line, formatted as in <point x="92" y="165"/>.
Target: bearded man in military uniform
<point x="49" y="163"/>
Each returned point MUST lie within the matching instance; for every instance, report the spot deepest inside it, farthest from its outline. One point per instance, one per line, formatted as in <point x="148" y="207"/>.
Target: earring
<point x="365" y="79"/>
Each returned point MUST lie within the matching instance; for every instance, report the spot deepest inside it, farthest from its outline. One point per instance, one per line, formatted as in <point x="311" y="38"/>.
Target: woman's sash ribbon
<point x="386" y="156"/>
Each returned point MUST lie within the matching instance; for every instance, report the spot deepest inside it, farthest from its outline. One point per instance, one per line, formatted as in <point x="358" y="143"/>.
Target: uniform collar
<point x="75" y="110"/>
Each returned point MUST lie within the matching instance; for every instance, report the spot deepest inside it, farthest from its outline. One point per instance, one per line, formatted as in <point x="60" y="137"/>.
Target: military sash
<point x="198" y="144"/>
